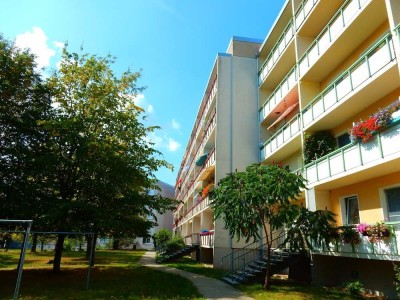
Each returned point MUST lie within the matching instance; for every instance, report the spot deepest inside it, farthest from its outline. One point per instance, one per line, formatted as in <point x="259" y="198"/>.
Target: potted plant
<point x="350" y="236"/>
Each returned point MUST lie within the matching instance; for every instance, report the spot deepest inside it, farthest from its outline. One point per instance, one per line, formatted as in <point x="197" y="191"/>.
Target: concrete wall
<point x="375" y="275"/>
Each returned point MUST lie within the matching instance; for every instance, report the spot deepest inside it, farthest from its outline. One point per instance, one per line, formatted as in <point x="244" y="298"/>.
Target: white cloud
<point x="157" y="140"/>
<point x="36" y="41"/>
<point x="173" y="145"/>
<point x="175" y="124"/>
<point x="150" y="109"/>
<point x="140" y="101"/>
<point x="59" y="45"/>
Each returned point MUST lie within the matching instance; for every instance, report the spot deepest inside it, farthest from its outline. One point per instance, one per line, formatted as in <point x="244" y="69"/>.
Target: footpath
<point x="210" y="288"/>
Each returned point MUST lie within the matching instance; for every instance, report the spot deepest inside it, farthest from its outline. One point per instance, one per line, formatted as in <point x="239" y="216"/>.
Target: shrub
<point x="162" y="237"/>
<point x="317" y="145"/>
<point x="355" y="288"/>
<point x="174" y="245"/>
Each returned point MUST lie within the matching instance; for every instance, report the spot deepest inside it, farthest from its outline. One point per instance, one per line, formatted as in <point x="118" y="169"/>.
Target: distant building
<point x="164" y="221"/>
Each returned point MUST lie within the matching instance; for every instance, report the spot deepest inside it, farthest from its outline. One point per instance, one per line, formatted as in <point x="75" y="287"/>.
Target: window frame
<point x="343" y="208"/>
<point x="383" y="200"/>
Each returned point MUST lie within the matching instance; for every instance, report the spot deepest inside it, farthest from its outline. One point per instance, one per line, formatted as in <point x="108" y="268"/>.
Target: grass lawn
<point x="280" y="289"/>
<point x="193" y="266"/>
<point x="115" y="276"/>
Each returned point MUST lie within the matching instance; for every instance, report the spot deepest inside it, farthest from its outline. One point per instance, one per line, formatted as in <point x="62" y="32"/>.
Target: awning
<point x="284" y="114"/>
<point x="201" y="160"/>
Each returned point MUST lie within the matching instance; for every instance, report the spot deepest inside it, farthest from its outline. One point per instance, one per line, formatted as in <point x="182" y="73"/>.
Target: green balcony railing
<point x="386" y="249"/>
<point x="289" y="130"/>
<point x="383" y="145"/>
<point x="280" y="46"/>
<point x="377" y="57"/>
<point x="331" y="31"/>
<point x="279" y="93"/>
<point x="397" y="30"/>
<point x="302" y="12"/>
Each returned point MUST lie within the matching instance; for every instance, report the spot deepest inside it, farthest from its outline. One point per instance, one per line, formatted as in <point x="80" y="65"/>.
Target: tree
<point x="261" y="197"/>
<point x="100" y="164"/>
<point x="24" y="99"/>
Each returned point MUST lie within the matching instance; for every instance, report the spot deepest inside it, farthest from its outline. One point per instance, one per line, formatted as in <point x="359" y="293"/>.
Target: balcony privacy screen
<point x="201" y="160"/>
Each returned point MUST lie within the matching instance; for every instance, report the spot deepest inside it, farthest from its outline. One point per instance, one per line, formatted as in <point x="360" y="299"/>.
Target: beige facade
<point x="324" y="66"/>
<point x="224" y="138"/>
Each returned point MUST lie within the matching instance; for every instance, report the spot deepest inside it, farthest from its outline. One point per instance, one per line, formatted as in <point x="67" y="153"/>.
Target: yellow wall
<point x="368" y="197"/>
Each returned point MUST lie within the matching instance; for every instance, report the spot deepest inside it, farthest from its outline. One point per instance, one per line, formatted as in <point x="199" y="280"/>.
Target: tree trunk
<point x="58" y="253"/>
<point x="267" y="281"/>
<point x="34" y="242"/>
<point x="115" y="244"/>
<point x="41" y="246"/>
<point x="89" y="239"/>
<point x="93" y="248"/>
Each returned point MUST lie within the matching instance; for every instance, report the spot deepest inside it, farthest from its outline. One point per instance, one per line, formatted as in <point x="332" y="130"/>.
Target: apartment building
<point x="330" y="66"/>
<point x="224" y="138"/>
<point x="324" y="66"/>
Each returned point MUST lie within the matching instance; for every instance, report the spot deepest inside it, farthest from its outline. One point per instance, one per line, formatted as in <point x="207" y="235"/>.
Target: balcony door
<point x="350" y="210"/>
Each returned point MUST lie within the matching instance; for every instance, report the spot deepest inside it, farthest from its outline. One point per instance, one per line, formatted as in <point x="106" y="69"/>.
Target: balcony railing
<point x="385" y="249"/>
<point x="397" y="30"/>
<point x="276" y="51"/>
<point x="332" y="30"/>
<point x="380" y="55"/>
<point x="302" y="12"/>
<point x="197" y="126"/>
<point x="207" y="239"/>
<point x="381" y="146"/>
<point x="279" y="93"/>
<point x="284" y="134"/>
<point x="192" y="239"/>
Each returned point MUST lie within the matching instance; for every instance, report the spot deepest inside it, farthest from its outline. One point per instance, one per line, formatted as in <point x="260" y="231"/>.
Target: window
<point x="393" y="204"/>
<point x="146" y="240"/>
<point x="343" y="140"/>
<point x="351" y="213"/>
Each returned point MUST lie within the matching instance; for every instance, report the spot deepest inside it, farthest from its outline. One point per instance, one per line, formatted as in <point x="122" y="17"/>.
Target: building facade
<point x="223" y="139"/>
<point x="326" y="66"/>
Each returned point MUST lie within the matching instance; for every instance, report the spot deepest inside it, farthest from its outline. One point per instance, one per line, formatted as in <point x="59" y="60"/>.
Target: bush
<point x="317" y="145"/>
<point x="354" y="288"/>
<point x="161" y="238"/>
<point x="174" y="245"/>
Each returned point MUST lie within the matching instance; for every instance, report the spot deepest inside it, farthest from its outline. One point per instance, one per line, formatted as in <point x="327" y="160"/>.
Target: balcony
<point x="366" y="80"/>
<point x="368" y="160"/>
<point x="289" y="132"/>
<point x="350" y="26"/>
<point x="279" y="94"/>
<point x="303" y="11"/>
<point x="276" y="52"/>
<point x="200" y="205"/>
<point x="208" y="167"/>
<point x="207" y="239"/>
<point x="387" y="249"/>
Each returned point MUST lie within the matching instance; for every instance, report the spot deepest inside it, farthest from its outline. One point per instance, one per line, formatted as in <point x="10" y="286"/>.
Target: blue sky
<point x="174" y="42"/>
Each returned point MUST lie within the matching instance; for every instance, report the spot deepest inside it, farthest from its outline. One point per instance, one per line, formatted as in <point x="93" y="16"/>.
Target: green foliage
<point x="175" y="244"/>
<point x="162" y="237"/>
<point x="311" y="228"/>
<point x="354" y="288"/>
<point x="317" y="145"/>
<point x="396" y="282"/>
<point x="261" y="195"/>
<point x="24" y="99"/>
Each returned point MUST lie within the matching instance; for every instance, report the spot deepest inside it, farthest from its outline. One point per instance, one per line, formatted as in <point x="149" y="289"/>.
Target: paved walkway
<point x="210" y="288"/>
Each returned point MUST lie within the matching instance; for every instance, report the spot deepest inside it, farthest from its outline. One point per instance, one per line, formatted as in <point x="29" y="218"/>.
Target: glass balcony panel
<point x="343" y="87"/>
<point x="280" y="139"/>
<point x="336" y="26"/>
<point x="323" y="170"/>
<point x="307" y="117"/>
<point x="324" y="41"/>
<point x="352" y="158"/>
<point x="308" y="5"/>
<point x="350" y="11"/>
<point x="295" y="126"/>
<point x="286" y="133"/>
<point x="359" y="74"/>
<point x="379" y="58"/>
<point x="281" y="47"/>
<point x="390" y="141"/>
<point x="336" y="164"/>
<point x="370" y="151"/>
<point x="329" y="98"/>
<point x="313" y="54"/>
<point x="318" y="109"/>
<point x="299" y="19"/>
<point x="311" y="174"/>
<point x="289" y="35"/>
<point x="303" y="66"/>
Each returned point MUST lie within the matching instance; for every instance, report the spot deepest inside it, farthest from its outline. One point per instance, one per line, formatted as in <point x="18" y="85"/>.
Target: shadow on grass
<point x="133" y="282"/>
<point x="193" y="266"/>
